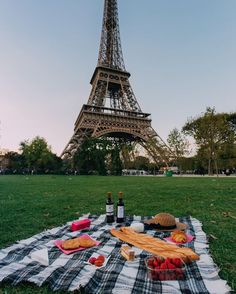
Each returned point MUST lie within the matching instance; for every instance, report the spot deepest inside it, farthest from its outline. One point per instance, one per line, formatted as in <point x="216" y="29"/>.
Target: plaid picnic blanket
<point x="69" y="272"/>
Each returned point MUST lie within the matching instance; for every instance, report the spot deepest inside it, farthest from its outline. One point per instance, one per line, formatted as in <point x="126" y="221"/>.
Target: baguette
<point x="154" y="245"/>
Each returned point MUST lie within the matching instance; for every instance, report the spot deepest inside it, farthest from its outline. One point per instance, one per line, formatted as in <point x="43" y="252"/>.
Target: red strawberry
<point x="98" y="263"/>
<point x="177" y="262"/>
<point x="171" y="266"/>
<point x="155" y="263"/>
<point x="153" y="274"/>
<point x="150" y="262"/>
<point x="167" y="275"/>
<point x="180" y="276"/>
<point x="101" y="258"/>
<point x="179" y="271"/>
<point x="168" y="264"/>
<point x="92" y="260"/>
<point x="157" y="276"/>
<point x="162" y="276"/>
<point x="159" y="260"/>
<point x="173" y="276"/>
<point x="168" y="259"/>
<point x="163" y="266"/>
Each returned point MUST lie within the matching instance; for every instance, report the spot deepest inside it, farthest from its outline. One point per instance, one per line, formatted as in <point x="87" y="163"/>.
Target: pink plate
<point x="189" y="239"/>
<point x="59" y="242"/>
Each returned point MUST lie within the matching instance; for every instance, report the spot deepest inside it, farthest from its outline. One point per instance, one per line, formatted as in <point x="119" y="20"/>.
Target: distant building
<point x="134" y="172"/>
<point x="174" y="169"/>
<point x="3" y="160"/>
<point x="4" y="151"/>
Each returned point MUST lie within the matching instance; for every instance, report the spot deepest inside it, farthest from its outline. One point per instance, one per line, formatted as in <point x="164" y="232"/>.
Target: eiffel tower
<point x="112" y="109"/>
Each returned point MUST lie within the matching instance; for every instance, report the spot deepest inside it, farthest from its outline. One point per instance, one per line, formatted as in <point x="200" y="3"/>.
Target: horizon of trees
<point x="214" y="135"/>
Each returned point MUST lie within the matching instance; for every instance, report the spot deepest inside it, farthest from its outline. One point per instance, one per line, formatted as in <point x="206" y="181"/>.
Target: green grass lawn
<point x="30" y="204"/>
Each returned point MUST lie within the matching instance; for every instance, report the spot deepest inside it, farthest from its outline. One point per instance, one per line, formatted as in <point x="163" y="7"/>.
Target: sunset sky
<point x="181" y="56"/>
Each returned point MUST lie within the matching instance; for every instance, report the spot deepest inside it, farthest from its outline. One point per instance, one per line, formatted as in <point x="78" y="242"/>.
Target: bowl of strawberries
<point x="160" y="269"/>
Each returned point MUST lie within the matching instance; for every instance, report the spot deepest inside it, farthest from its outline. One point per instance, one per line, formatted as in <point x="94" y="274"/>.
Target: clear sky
<point x="181" y="55"/>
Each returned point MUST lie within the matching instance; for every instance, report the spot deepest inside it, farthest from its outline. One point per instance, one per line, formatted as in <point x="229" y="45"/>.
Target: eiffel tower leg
<point x="156" y="147"/>
<point x="74" y="143"/>
<point x="152" y="151"/>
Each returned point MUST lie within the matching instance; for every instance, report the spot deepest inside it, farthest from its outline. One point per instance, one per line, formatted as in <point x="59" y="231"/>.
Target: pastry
<point x="71" y="244"/>
<point x="179" y="236"/>
<point x="86" y="242"/>
<point x="78" y="242"/>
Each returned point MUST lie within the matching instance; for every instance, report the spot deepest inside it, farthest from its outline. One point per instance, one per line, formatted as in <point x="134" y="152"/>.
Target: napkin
<point x="40" y="256"/>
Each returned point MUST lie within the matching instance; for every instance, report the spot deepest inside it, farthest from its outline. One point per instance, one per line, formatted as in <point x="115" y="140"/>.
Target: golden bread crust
<point x="179" y="236"/>
<point x="86" y="242"/>
<point x="154" y="245"/>
<point x="78" y="242"/>
<point x="71" y="244"/>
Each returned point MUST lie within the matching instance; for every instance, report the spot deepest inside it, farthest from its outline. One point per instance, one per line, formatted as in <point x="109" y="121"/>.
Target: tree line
<point x="214" y="135"/>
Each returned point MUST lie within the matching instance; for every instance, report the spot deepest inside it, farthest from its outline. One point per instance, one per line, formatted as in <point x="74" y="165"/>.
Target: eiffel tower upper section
<point x="111" y="87"/>
<point x="110" y="53"/>
<point x="112" y="109"/>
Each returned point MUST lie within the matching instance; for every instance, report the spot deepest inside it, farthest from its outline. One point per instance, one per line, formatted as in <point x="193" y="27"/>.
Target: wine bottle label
<point x="120" y="211"/>
<point x="109" y="209"/>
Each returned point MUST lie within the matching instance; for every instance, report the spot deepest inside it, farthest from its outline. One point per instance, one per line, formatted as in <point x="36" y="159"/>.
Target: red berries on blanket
<point x="92" y="260"/>
<point x="98" y="261"/>
<point x="177" y="262"/>
<point x="165" y="269"/>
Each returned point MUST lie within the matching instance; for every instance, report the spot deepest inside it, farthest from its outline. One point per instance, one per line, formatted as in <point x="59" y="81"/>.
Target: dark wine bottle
<point x="120" y="209"/>
<point x="109" y="208"/>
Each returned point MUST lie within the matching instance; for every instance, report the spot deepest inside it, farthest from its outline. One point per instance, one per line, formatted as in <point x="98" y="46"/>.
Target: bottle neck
<point x="120" y="196"/>
<point x="109" y="196"/>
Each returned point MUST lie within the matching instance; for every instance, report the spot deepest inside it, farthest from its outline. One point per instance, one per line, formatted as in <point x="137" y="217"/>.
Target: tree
<point x="190" y="164"/>
<point x="116" y="165"/>
<point x="227" y="156"/>
<point x="179" y="145"/>
<point x="232" y="119"/>
<point x="141" y="163"/>
<point x="210" y="131"/>
<point x="91" y="156"/>
<point x="38" y="155"/>
<point x="14" y="162"/>
<point x="127" y="152"/>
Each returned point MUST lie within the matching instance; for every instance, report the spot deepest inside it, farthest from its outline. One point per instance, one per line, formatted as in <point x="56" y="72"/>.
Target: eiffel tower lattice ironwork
<point x="112" y="109"/>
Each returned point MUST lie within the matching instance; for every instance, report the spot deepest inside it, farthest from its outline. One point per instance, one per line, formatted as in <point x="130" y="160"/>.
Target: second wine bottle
<point x="120" y="209"/>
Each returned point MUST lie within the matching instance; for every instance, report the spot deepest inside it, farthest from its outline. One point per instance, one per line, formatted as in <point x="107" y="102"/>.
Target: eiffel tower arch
<point x="112" y="109"/>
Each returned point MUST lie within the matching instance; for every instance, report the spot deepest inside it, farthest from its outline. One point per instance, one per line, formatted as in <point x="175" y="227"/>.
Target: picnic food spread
<point x="154" y="245"/>
<point x="74" y="269"/>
